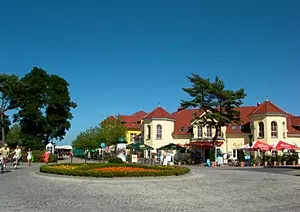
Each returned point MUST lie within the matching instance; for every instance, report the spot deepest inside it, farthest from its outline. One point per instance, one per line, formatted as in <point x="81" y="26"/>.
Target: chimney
<point x="258" y="103"/>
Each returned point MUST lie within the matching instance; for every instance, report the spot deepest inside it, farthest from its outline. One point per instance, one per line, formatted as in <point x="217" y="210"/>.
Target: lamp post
<point x="2" y="113"/>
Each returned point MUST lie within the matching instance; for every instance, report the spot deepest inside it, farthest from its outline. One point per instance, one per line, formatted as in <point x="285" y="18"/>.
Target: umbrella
<point x="257" y="145"/>
<point x="139" y="146"/>
<point x="283" y="145"/>
<point x="171" y="146"/>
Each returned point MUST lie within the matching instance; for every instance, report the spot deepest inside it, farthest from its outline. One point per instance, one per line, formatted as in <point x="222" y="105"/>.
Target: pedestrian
<point x="17" y="156"/>
<point x="71" y="155"/>
<point x="45" y="157"/>
<point x="29" y="157"/>
<point x="5" y="153"/>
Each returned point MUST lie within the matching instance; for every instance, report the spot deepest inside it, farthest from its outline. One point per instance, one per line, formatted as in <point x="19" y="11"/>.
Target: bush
<point x="37" y="156"/>
<point x="115" y="160"/>
<point x="113" y="170"/>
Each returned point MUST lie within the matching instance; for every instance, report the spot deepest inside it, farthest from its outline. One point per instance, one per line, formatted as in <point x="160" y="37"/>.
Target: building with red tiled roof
<point x="265" y="122"/>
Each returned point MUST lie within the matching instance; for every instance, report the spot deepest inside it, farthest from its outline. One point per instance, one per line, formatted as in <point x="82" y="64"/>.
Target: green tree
<point x="10" y="88"/>
<point x="46" y="113"/>
<point x="14" y="136"/>
<point x="218" y="102"/>
<point x="111" y="130"/>
<point x="87" y="139"/>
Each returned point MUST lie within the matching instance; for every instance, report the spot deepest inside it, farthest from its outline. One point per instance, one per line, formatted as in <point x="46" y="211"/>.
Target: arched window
<point x="209" y="131"/>
<point x="200" y="131"/>
<point x="274" y="129"/>
<point x="261" y="130"/>
<point x="158" y="132"/>
<point x="148" y="132"/>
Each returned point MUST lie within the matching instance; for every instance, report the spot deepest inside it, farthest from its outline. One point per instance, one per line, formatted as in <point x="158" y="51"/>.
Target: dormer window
<point x="274" y="133"/>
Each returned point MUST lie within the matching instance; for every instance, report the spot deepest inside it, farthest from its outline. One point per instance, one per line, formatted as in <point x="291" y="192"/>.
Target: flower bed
<point x="113" y="170"/>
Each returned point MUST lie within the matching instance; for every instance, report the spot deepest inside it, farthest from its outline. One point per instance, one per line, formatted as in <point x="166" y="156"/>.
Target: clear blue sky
<point x="125" y="56"/>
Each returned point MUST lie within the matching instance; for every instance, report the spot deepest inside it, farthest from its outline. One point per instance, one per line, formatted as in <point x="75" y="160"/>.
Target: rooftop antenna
<point x="158" y="104"/>
<point x="267" y="98"/>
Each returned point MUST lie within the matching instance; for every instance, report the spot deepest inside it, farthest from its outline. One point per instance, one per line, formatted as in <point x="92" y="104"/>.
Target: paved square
<point x="205" y="189"/>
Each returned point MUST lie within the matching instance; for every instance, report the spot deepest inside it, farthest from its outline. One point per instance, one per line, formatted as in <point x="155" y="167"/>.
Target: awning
<point x="284" y="145"/>
<point x="205" y="144"/>
<point x="171" y="146"/>
<point x="258" y="145"/>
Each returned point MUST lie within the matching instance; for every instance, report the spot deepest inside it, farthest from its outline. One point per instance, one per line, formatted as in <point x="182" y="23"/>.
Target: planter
<point x="284" y="163"/>
<point x="254" y="165"/>
<point x="242" y="164"/>
<point x="213" y="164"/>
<point x="179" y="163"/>
<point x="258" y="164"/>
<point x="294" y="163"/>
<point x="266" y="163"/>
<point x="275" y="163"/>
<point x="279" y="164"/>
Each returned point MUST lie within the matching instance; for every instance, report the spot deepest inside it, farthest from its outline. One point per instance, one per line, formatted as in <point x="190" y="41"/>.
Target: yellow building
<point x="264" y="122"/>
<point x="133" y="125"/>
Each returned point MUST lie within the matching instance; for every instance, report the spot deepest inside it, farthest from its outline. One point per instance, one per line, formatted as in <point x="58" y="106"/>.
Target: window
<point x="132" y="137"/>
<point x="261" y="132"/>
<point x="148" y="132"/>
<point x="219" y="132"/>
<point x="208" y="131"/>
<point x="283" y="129"/>
<point x="273" y="129"/>
<point x="199" y="131"/>
<point x="158" y="132"/>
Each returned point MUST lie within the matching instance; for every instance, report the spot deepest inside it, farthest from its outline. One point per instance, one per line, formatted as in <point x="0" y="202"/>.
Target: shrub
<point x="37" y="156"/>
<point x="115" y="160"/>
<point x="113" y="170"/>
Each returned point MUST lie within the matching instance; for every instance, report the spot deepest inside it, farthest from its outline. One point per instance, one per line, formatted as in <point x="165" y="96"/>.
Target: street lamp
<point x="2" y="113"/>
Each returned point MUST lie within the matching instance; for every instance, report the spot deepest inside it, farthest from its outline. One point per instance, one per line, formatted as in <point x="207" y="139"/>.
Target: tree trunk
<point x="215" y="139"/>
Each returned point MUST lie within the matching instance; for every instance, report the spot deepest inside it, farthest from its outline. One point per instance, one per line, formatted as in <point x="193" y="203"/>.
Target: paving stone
<point x="204" y="189"/>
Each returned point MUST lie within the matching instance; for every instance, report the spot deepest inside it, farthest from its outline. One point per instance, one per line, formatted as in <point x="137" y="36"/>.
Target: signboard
<point x="134" y="159"/>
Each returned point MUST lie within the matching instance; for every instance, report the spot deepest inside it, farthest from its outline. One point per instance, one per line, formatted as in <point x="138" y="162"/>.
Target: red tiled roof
<point x="159" y="112"/>
<point x="245" y="111"/>
<point x="290" y="128"/>
<point x="183" y="119"/>
<point x="267" y="107"/>
<point x="133" y="121"/>
<point x="295" y="121"/>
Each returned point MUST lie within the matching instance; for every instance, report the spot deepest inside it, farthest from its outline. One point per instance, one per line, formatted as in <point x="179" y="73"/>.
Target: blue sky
<point x="125" y="56"/>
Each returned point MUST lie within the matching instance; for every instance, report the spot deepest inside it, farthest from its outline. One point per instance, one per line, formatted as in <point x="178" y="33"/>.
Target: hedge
<point x="90" y="170"/>
<point x="37" y="156"/>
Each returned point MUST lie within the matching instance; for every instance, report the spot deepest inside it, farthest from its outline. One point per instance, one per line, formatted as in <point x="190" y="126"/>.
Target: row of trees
<point x="41" y="108"/>
<point x="108" y="131"/>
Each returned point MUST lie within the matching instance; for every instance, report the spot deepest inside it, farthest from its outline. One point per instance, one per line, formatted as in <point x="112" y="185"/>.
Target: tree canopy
<point x="88" y="139"/>
<point x="41" y="103"/>
<point x="218" y="102"/>
<point x="111" y="130"/>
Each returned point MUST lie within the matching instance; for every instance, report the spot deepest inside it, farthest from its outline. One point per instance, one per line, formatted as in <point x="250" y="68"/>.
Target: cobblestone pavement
<point x="204" y="189"/>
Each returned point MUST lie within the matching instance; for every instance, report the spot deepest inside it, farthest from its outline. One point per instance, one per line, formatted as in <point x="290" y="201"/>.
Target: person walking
<point x="17" y="156"/>
<point x="5" y="153"/>
<point x="29" y="157"/>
